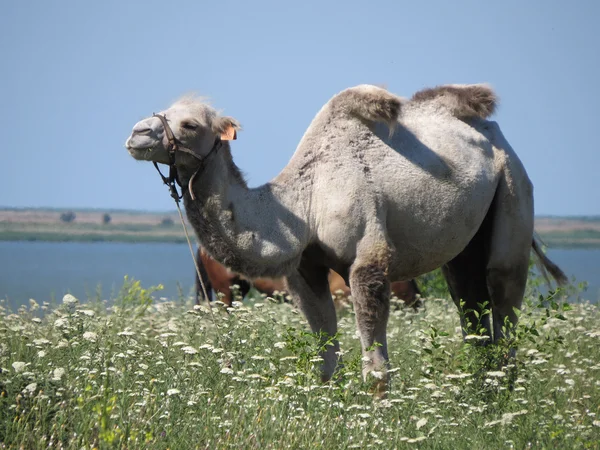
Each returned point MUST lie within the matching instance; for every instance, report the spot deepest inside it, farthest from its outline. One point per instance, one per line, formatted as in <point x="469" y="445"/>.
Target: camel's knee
<point x="371" y="297"/>
<point x="371" y="290"/>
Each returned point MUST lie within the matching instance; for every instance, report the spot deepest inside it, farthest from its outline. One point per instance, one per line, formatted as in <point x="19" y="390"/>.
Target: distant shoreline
<point x="565" y="243"/>
<point x="93" y="225"/>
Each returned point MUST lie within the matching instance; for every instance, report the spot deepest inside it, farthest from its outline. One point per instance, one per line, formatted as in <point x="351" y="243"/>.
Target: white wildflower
<point x="36" y="320"/>
<point x="126" y="332"/>
<point x="418" y="439"/>
<point x="179" y="344"/>
<point x="168" y="334"/>
<point x="596" y="423"/>
<point x="227" y="370"/>
<point x="143" y="366"/>
<point x="496" y="374"/>
<point x="189" y="350"/>
<point x="570" y="381"/>
<point x="90" y="336"/>
<point x="279" y="345"/>
<point x="421" y="423"/>
<point x="506" y="418"/>
<point x="41" y="354"/>
<point x="61" y="322"/>
<point x="58" y="373"/>
<point x="173" y="392"/>
<point x="19" y="366"/>
<point x="87" y="312"/>
<point x="254" y="375"/>
<point x="457" y="376"/>
<point x="377" y="374"/>
<point x="69" y="300"/>
<point x="42" y="341"/>
<point x="217" y="350"/>
<point x="30" y="388"/>
<point x="476" y="337"/>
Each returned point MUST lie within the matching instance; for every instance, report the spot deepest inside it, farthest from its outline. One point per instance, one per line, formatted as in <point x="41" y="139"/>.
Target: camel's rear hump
<point x="465" y="101"/>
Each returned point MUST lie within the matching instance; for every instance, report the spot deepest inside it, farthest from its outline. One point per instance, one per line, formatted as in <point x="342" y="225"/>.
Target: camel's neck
<point x="257" y="232"/>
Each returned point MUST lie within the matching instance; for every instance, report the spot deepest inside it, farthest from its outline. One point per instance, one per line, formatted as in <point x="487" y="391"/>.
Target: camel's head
<point x="195" y="125"/>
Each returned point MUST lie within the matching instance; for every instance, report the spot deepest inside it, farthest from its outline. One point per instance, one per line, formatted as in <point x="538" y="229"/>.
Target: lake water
<point x="43" y="270"/>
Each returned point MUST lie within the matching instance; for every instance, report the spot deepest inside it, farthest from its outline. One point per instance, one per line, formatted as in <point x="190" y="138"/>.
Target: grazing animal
<point x="217" y="277"/>
<point x="379" y="188"/>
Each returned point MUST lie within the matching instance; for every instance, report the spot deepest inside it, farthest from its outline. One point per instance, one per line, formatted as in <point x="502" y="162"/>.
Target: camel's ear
<point x="226" y="127"/>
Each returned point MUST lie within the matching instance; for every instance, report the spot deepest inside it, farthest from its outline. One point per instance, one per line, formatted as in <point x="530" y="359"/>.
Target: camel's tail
<point x="545" y="265"/>
<point x="370" y="103"/>
<point x="465" y="101"/>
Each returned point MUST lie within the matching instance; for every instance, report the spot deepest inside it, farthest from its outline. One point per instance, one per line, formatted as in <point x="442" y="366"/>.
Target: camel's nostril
<point x="144" y="130"/>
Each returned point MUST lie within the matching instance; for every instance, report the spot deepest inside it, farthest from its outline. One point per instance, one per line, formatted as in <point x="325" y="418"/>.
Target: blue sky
<point x="77" y="75"/>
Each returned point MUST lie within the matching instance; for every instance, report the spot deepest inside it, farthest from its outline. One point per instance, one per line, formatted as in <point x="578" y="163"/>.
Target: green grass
<point x="74" y="232"/>
<point x="141" y="374"/>
<point x="587" y="238"/>
<point x="51" y="236"/>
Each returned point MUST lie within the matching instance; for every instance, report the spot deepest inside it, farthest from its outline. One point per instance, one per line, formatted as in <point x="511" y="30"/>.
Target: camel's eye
<point x="189" y="125"/>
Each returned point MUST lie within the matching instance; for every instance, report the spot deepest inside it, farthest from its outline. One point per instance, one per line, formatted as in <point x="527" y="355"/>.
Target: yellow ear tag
<point x="229" y="134"/>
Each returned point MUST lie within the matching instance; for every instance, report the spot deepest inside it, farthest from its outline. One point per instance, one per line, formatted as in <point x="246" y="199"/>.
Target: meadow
<point x="145" y="372"/>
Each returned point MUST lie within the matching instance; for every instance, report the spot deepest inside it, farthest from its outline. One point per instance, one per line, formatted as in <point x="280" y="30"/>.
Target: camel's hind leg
<point x="309" y="286"/>
<point x="509" y="251"/>
<point x="466" y="278"/>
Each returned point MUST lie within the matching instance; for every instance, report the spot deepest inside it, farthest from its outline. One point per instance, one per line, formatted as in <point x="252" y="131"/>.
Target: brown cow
<point x="218" y="278"/>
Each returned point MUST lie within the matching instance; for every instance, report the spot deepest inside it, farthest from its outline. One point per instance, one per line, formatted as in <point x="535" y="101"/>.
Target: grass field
<point x="141" y="374"/>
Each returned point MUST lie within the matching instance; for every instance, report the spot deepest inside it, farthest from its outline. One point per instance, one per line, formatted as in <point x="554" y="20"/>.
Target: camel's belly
<point x="430" y="230"/>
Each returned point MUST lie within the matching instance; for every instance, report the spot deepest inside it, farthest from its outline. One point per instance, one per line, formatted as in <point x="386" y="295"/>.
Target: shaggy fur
<point x="372" y="206"/>
<point x="368" y="103"/>
<point x="463" y="101"/>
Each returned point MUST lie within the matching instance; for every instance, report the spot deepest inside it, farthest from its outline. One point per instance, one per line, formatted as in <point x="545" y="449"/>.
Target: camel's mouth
<point x="143" y="154"/>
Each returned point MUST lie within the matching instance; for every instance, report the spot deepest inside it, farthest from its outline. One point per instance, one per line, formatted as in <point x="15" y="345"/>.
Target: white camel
<point x="373" y="173"/>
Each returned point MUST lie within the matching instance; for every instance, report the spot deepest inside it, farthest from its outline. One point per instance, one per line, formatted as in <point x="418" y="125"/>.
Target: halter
<point x="173" y="180"/>
<point x="174" y="146"/>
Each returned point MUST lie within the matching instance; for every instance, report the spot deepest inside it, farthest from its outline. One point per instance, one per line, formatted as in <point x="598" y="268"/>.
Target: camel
<point x="217" y="277"/>
<point x="374" y="173"/>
